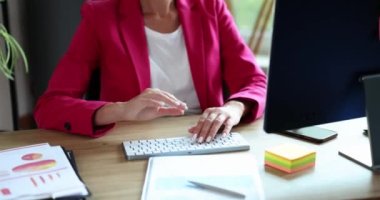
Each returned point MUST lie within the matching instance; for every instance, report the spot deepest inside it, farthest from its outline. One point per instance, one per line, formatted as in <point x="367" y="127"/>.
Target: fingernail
<point x="224" y="134"/>
<point x="208" y="139"/>
<point x="200" y="139"/>
<point x="195" y="137"/>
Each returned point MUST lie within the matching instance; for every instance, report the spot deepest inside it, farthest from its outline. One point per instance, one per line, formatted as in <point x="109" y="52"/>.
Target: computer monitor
<point x="320" y="51"/>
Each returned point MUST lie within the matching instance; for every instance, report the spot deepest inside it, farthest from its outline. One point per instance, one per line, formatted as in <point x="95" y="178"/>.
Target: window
<point x="246" y="14"/>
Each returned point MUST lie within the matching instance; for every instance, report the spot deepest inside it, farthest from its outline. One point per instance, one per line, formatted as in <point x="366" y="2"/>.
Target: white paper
<point x="167" y="177"/>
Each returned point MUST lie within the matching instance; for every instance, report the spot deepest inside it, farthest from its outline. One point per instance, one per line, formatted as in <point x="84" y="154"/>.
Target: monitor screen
<point x="320" y="50"/>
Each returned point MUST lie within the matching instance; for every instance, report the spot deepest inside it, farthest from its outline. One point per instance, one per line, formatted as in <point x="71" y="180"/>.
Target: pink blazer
<point x="111" y="36"/>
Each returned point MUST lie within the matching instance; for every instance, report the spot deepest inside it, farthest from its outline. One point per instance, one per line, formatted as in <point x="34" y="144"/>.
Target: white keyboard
<point x="143" y="149"/>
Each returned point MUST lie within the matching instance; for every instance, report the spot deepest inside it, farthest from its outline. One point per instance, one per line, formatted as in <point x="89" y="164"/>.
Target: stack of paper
<point x="290" y="158"/>
<point x="38" y="172"/>
<point x="211" y="177"/>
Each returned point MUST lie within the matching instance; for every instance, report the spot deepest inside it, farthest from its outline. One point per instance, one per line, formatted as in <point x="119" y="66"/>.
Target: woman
<point x="156" y="58"/>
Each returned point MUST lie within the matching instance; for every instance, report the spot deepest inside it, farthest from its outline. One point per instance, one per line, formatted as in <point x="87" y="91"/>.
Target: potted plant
<point x="10" y="53"/>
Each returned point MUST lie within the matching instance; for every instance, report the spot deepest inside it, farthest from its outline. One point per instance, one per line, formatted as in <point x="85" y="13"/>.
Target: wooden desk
<point x="109" y="175"/>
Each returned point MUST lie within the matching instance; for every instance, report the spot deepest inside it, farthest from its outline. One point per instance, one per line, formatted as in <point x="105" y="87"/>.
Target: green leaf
<point x="10" y="54"/>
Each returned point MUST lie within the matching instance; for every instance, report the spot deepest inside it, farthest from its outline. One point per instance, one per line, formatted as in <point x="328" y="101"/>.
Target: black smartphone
<point x="313" y="134"/>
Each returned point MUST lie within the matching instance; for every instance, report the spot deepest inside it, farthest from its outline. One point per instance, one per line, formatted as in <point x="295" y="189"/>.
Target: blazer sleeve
<point x="61" y="107"/>
<point x="244" y="78"/>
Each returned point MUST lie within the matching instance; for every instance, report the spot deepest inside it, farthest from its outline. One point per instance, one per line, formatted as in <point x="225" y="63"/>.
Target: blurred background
<point x="44" y="29"/>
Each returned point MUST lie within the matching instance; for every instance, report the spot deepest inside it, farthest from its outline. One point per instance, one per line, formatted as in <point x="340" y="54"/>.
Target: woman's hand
<point x="213" y="119"/>
<point x="150" y="104"/>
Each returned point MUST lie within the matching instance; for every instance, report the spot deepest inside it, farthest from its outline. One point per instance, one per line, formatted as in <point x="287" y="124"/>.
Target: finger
<point x="204" y="133"/>
<point x="169" y="95"/>
<point x="162" y="111"/>
<point x="227" y="126"/>
<point x="147" y="102"/>
<point x="192" y="129"/>
<point x="194" y="134"/>
<point x="169" y="102"/>
<point x="218" y="122"/>
<point x="197" y="128"/>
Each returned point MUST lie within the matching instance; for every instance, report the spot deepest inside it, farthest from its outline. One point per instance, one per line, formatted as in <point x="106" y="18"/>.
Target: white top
<point x="170" y="68"/>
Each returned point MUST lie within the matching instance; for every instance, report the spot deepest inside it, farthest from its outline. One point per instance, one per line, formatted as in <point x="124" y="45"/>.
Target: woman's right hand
<point x="150" y="104"/>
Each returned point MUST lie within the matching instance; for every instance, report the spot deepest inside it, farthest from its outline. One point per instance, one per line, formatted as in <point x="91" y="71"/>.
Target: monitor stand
<point x="369" y="155"/>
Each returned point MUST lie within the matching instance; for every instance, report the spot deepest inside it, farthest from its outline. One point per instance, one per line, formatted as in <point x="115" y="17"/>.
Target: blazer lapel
<point x="191" y="23"/>
<point x="131" y="25"/>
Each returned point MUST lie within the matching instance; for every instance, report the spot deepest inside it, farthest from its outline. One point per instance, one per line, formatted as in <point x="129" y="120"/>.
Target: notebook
<point x="168" y="177"/>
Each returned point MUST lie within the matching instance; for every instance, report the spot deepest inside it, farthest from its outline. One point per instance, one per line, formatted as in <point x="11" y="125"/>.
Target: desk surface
<point x="109" y="175"/>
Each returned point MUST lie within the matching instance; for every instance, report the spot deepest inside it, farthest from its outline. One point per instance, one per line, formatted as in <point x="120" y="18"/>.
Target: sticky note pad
<point x="290" y="158"/>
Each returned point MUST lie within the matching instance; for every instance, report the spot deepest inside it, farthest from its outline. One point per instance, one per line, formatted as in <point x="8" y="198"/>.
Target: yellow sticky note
<point x="290" y="158"/>
<point x="290" y="151"/>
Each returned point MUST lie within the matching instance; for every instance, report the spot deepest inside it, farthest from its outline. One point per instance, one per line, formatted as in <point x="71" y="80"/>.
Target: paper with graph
<point x="38" y="171"/>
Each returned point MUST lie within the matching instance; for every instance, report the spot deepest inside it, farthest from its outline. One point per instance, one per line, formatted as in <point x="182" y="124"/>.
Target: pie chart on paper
<point x="32" y="156"/>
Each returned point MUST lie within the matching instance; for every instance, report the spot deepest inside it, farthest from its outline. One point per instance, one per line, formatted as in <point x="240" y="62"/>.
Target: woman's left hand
<point x="214" y="118"/>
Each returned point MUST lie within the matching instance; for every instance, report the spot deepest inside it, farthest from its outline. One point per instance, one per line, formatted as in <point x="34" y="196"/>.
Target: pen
<point x="218" y="189"/>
